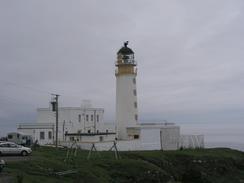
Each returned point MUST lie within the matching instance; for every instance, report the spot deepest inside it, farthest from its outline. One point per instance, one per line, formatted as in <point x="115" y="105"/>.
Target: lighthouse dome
<point x="125" y="50"/>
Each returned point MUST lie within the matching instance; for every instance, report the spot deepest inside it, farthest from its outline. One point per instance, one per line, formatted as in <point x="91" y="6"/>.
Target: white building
<point x="85" y="124"/>
<point x="84" y="120"/>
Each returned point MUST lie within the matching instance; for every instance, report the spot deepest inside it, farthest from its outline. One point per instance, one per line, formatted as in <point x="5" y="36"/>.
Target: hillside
<point x="187" y="166"/>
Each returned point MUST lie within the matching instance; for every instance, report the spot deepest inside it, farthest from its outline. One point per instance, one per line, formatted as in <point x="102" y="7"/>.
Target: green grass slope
<point x="187" y="166"/>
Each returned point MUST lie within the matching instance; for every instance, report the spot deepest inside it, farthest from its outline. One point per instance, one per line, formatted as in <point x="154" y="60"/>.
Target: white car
<point x="10" y="148"/>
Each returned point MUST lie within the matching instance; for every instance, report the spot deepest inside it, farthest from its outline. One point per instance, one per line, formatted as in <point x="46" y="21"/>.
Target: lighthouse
<point x="126" y="93"/>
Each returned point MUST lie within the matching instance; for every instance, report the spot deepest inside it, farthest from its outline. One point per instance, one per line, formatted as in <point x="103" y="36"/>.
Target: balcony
<point x="125" y="62"/>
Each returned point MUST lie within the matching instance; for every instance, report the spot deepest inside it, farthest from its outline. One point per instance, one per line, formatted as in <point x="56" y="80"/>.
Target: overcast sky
<point x="190" y="57"/>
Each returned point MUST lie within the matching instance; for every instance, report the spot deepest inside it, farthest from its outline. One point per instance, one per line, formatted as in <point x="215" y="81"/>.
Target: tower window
<point x="97" y="118"/>
<point x="87" y="117"/>
<point x="136" y="117"/>
<point x="135" y="104"/>
<point x="134" y="91"/>
<point x="79" y="118"/>
<point x="134" y="80"/>
<point x="91" y="117"/>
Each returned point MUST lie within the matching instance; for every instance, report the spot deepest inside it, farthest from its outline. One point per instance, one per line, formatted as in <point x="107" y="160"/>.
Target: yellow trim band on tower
<point x="126" y="69"/>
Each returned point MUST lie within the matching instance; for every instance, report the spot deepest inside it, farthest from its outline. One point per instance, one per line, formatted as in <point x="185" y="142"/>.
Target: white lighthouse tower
<point x="126" y="94"/>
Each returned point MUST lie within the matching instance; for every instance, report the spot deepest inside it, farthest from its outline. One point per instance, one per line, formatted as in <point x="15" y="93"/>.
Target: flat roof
<point x="35" y="126"/>
<point x="153" y="126"/>
<point x="72" y="108"/>
<point x="89" y="134"/>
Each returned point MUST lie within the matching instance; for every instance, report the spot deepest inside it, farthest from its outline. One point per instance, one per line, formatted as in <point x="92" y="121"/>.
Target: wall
<point x="95" y="138"/>
<point x="125" y="99"/>
<point x="192" y="141"/>
<point x="35" y="133"/>
<point x="124" y="145"/>
<point x="69" y="119"/>
<point x="150" y="138"/>
<point x="170" y="137"/>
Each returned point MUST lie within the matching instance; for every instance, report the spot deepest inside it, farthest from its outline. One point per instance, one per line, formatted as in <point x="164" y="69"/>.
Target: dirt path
<point x="15" y="158"/>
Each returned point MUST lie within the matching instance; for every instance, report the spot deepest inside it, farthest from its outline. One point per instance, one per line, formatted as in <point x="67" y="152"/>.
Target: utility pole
<point x="94" y="119"/>
<point x="55" y="108"/>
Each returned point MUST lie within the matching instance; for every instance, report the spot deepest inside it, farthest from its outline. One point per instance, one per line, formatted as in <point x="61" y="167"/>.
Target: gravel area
<point x="15" y="158"/>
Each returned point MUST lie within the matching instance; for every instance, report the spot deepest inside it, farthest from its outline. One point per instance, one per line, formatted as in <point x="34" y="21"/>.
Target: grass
<point x="200" y="165"/>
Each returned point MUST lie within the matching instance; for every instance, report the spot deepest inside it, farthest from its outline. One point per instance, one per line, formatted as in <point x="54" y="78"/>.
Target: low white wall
<point x="130" y="145"/>
<point x="150" y="139"/>
<point x="92" y="139"/>
<point x="192" y="141"/>
<point x="170" y="137"/>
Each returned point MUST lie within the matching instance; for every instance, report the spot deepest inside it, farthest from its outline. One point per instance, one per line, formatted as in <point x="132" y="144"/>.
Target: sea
<point x="230" y="135"/>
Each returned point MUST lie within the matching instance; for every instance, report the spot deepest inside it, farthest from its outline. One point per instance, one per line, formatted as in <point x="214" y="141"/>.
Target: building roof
<point x="125" y="50"/>
<point x="153" y="126"/>
<point x="72" y="108"/>
<point x="35" y="126"/>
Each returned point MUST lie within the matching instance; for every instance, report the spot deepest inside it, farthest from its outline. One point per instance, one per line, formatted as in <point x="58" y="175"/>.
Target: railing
<point x="123" y="62"/>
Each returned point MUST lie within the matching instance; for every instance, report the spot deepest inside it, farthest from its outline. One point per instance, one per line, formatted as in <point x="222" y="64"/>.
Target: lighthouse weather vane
<point x="126" y="43"/>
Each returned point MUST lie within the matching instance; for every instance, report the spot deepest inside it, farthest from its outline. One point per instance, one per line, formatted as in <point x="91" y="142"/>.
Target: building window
<point x="10" y="136"/>
<point x="89" y="131"/>
<point x="136" y="117"/>
<point x="134" y="80"/>
<point x="135" y="104"/>
<point x="72" y="139"/>
<point x="97" y="131"/>
<point x="79" y="118"/>
<point x="97" y="118"/>
<point x="42" y="135"/>
<point x="50" y="135"/>
<point x="91" y="117"/>
<point x="136" y="136"/>
<point x="106" y="131"/>
<point x="134" y="91"/>
<point x="101" y="138"/>
<point x="87" y="117"/>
